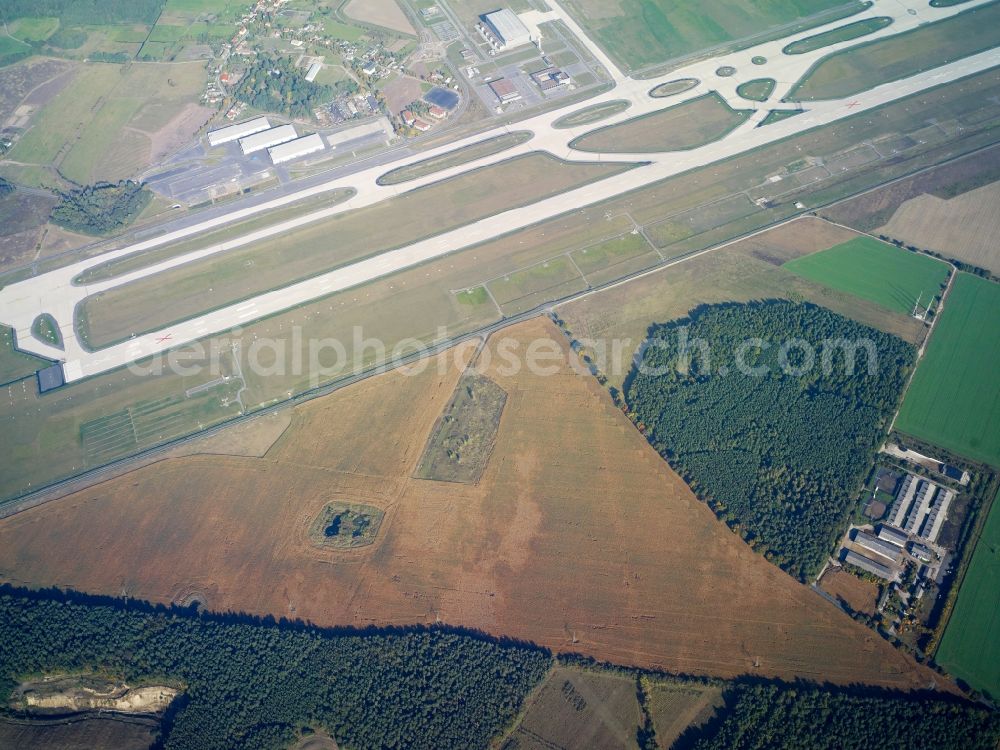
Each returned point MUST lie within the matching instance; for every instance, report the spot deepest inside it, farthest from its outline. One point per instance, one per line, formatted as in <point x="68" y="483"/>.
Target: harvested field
<point x="675" y="706"/>
<point x="964" y="227"/>
<point x="459" y="447"/>
<point x="750" y="269"/>
<point x="385" y="13"/>
<point x="857" y="594"/>
<point x="872" y="210"/>
<point x="571" y="538"/>
<point x="688" y="125"/>
<point x="579" y="709"/>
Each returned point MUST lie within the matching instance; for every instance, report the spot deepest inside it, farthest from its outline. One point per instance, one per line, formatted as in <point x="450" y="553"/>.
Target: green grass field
<point x="953" y="400"/>
<point x="875" y="271"/>
<point x="842" y="34"/>
<point x="641" y="33"/>
<point x="33" y="29"/>
<point x="970" y="648"/>
<point x="865" y="66"/>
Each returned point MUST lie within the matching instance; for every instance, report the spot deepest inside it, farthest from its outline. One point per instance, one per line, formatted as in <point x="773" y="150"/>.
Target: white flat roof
<point x="381" y="125"/>
<point x="314" y="69"/>
<point x="508" y="26"/>
<point x="267" y="138"/>
<point x="239" y="130"/>
<point x="307" y="144"/>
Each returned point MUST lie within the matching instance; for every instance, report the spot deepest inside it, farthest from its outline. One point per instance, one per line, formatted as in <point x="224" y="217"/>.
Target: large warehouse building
<point x="503" y="30"/>
<point x="307" y="144"/>
<point x="237" y="131"/>
<point x="267" y="138"/>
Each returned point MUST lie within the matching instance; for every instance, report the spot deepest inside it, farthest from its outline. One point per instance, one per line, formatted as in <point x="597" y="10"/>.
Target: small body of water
<point x="444" y="98"/>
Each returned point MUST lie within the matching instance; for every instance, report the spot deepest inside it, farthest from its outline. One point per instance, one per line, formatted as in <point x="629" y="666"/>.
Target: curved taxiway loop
<point x="56" y="293"/>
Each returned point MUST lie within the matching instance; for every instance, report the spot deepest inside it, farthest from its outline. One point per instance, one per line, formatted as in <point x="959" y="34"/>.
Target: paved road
<point x="56" y="293"/>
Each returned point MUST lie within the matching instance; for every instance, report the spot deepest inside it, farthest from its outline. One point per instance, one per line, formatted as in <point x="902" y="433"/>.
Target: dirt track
<point x="578" y="537"/>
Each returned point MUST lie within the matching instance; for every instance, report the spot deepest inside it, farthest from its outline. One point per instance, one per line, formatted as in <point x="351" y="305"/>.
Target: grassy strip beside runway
<point x="863" y="67"/>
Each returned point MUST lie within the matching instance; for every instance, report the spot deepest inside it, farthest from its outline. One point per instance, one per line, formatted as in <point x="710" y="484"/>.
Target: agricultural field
<point x="952" y="399"/>
<point x="111" y="122"/>
<point x="689" y="125"/>
<point x="561" y="542"/>
<point x="579" y="709"/>
<point x="964" y="227"/>
<point x="273" y="263"/>
<point x="874" y="270"/>
<point x="642" y="33"/>
<point x="970" y="648"/>
<point x="874" y="209"/>
<point x="384" y="13"/>
<point x="865" y="66"/>
<point x="856" y="593"/>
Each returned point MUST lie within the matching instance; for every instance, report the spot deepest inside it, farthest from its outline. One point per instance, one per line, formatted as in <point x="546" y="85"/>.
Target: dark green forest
<point x="101" y="208"/>
<point x="84" y="12"/>
<point x="250" y="685"/>
<point x="779" y="456"/>
<point x="806" y="717"/>
<point x="274" y="84"/>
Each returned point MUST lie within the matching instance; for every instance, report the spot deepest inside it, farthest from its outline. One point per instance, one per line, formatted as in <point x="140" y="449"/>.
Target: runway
<point x="56" y="293"/>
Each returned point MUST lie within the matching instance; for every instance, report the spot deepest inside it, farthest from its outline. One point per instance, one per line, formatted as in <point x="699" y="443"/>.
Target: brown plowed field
<point x="578" y="536"/>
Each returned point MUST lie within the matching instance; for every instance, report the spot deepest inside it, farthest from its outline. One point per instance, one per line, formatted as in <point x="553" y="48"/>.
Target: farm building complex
<point x="237" y="131"/>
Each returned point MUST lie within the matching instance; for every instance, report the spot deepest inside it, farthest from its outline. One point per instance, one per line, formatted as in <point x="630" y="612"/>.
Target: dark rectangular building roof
<point x="50" y="378"/>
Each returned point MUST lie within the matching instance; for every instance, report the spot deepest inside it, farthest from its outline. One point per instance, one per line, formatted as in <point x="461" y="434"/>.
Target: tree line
<point x="250" y="685"/>
<point x="85" y="12"/>
<point x="255" y="682"/>
<point x="274" y="84"/>
<point x="101" y="208"/>
<point x="777" y="446"/>
<point x="768" y="716"/>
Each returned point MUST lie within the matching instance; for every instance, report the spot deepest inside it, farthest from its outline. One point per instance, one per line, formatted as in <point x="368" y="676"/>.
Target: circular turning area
<point x="672" y="88"/>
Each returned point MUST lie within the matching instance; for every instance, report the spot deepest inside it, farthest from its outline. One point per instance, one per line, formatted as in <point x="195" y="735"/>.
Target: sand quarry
<point x="578" y="536"/>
